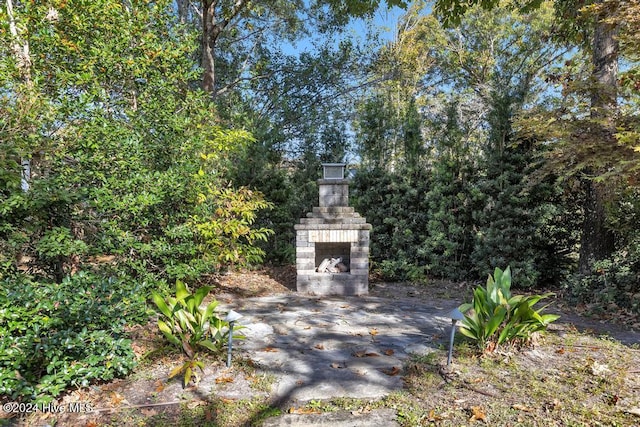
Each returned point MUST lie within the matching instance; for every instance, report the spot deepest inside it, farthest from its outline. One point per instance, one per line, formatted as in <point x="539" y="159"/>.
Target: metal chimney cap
<point x="333" y="170"/>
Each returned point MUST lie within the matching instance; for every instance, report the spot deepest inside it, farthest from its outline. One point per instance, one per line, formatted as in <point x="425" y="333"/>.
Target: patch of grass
<point x="214" y="413"/>
<point x="569" y="380"/>
<point x="259" y="381"/>
<point x="338" y="404"/>
<point x="226" y="412"/>
<point x="409" y="410"/>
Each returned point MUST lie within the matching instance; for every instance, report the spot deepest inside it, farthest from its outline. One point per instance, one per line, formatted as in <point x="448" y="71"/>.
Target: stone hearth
<point x="333" y="230"/>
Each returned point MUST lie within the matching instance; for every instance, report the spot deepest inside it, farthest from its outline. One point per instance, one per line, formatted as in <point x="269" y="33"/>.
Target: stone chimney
<point x="332" y="242"/>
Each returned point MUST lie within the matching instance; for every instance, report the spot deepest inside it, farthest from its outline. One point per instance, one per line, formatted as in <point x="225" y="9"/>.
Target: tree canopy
<point x="144" y="143"/>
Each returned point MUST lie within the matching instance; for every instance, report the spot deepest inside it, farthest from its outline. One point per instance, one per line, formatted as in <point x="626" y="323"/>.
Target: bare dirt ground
<point x="147" y="398"/>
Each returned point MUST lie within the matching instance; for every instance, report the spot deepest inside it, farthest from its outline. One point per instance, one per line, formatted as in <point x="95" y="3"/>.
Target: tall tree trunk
<point x="212" y="27"/>
<point x="20" y="48"/>
<point x="208" y="44"/>
<point x="597" y="240"/>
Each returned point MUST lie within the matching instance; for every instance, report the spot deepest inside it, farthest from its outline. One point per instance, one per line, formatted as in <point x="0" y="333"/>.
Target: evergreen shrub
<point x="395" y="206"/>
<point x="613" y="284"/>
<point x="54" y="336"/>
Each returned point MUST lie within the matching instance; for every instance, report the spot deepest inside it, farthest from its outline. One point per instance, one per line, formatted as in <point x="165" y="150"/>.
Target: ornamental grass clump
<point x="495" y="317"/>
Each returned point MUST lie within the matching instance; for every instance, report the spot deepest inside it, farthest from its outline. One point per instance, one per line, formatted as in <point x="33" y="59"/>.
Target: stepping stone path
<point x="322" y="348"/>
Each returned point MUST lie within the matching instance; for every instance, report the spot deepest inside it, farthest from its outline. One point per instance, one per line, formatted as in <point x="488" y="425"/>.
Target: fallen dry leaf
<point x="319" y="346"/>
<point x="523" y="408"/>
<point x="138" y="350"/>
<point x="111" y="386"/>
<point x="148" y="412"/>
<point x="270" y="349"/>
<point x="116" y="398"/>
<point x="221" y="380"/>
<point x="365" y="354"/>
<point x="560" y="351"/>
<point x="91" y="423"/>
<point x="159" y="386"/>
<point x="196" y="403"/>
<point x="391" y="371"/>
<point x="477" y="414"/>
<point x="363" y="410"/>
<point x="304" y="411"/>
<point x="389" y="352"/>
<point x="336" y="365"/>
<point x="227" y="401"/>
<point x="434" y="417"/>
<point x="373" y="332"/>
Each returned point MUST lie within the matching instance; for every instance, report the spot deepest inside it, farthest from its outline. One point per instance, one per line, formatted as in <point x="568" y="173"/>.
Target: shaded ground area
<point x="320" y="348"/>
<point x="304" y="350"/>
<point x="282" y="280"/>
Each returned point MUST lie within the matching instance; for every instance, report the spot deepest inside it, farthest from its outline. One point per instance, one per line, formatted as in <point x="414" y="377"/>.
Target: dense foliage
<point x="464" y="196"/>
<point x="126" y="189"/>
<point x="70" y="334"/>
<point x="141" y="145"/>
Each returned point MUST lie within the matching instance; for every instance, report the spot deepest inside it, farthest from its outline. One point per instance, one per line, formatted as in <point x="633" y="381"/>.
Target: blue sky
<point x="384" y="20"/>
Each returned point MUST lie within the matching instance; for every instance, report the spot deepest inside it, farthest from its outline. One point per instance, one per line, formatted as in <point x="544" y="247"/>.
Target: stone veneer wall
<point x="333" y="222"/>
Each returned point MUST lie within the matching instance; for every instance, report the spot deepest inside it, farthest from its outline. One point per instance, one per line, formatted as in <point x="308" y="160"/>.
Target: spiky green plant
<point x="192" y="327"/>
<point x="495" y="317"/>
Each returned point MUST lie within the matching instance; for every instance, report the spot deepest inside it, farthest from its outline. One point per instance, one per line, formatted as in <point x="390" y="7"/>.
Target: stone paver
<point x="326" y="347"/>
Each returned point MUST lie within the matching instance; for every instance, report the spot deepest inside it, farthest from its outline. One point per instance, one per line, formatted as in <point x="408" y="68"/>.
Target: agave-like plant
<point x="495" y="316"/>
<point x="192" y="327"/>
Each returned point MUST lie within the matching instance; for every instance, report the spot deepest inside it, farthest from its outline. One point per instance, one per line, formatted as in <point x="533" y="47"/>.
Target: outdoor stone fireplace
<point x="332" y="242"/>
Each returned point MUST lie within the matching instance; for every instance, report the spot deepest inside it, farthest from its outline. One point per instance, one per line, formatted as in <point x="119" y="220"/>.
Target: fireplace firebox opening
<point x="338" y="256"/>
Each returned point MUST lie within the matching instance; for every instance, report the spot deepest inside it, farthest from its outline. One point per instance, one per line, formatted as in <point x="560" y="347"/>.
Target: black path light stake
<point x="232" y="316"/>
<point x="455" y="315"/>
